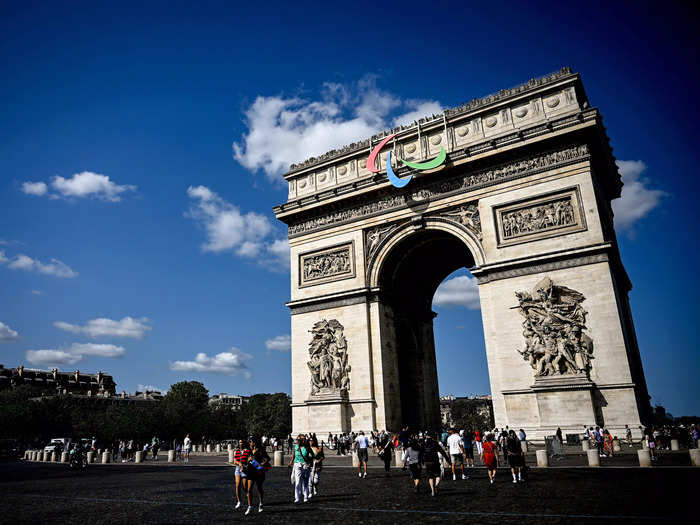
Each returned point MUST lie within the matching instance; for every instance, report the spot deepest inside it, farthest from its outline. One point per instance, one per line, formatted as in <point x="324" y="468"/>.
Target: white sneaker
<point x="464" y="476"/>
<point x="359" y="474"/>
<point x="365" y="475"/>
<point x="248" y="510"/>
<point x="454" y="477"/>
<point x="515" y="480"/>
<point x="260" y="508"/>
<point x="238" y="505"/>
<point x="491" y="481"/>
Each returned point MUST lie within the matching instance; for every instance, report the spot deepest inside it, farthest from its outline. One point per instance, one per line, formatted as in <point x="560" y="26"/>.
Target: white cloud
<point x="229" y="363"/>
<point x="38" y="292"/>
<point x="24" y="262"/>
<point x="282" y="343"/>
<point x="248" y="234"/>
<point x="637" y="199"/>
<point x="458" y="291"/>
<point x="52" y="357"/>
<point x="283" y="131"/>
<point x="151" y="388"/>
<point x="72" y="354"/>
<point x="7" y="334"/>
<point x="125" y="327"/>
<point x="80" y="185"/>
<point x="34" y="188"/>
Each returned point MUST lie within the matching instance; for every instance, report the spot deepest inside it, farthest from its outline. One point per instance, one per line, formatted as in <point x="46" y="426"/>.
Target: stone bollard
<point x="645" y="444"/>
<point x="398" y="457"/>
<point x="593" y="458"/>
<point x="675" y="445"/>
<point x="278" y="458"/>
<point x="644" y="458"/>
<point x="230" y="456"/>
<point x="53" y="457"/>
<point x="26" y="454"/>
<point x="105" y="456"/>
<point x="209" y="449"/>
<point x="586" y="445"/>
<point x="171" y="456"/>
<point x="542" y="458"/>
<point x="47" y="457"/>
<point x="523" y="446"/>
<point x="99" y="451"/>
<point x="34" y="454"/>
<point x="230" y="446"/>
<point x="355" y="460"/>
<point x="90" y="456"/>
<point x="138" y="457"/>
<point x="218" y="448"/>
<point x="695" y="457"/>
<point x="616" y="445"/>
<point x="64" y="457"/>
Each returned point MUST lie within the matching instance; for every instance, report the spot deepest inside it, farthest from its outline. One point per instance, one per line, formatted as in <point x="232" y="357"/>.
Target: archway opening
<point x="408" y="279"/>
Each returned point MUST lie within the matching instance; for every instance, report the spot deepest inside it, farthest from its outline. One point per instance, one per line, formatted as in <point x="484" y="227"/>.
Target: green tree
<point x="268" y="414"/>
<point x="468" y="415"/>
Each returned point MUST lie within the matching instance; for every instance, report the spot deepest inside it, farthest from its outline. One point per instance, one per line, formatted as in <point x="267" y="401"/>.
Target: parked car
<point x="57" y="445"/>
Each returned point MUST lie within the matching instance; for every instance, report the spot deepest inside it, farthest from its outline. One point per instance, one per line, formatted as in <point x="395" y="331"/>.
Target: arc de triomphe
<point x="522" y="199"/>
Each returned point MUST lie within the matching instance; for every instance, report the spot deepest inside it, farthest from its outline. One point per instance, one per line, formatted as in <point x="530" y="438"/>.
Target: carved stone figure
<point x="553" y="328"/>
<point x="541" y="217"/>
<point x="327" y="264"/>
<point x="328" y="358"/>
<point x="468" y="216"/>
<point x="376" y="235"/>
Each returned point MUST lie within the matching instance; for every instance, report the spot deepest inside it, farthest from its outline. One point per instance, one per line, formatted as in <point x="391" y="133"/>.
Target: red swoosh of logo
<point x="372" y="159"/>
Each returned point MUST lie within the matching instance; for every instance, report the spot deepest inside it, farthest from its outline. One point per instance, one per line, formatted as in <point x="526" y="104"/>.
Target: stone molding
<point x="539" y="217"/>
<point x="330" y="264"/>
<point x="431" y="189"/>
<point x="315" y="304"/>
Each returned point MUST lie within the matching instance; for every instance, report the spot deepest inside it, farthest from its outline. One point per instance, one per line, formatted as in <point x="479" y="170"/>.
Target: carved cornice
<point x="431" y="189"/>
<point x="549" y="266"/>
<point x="477" y="103"/>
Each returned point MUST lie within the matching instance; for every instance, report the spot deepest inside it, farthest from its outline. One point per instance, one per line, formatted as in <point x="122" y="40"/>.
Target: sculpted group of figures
<point x="326" y="264"/>
<point x="538" y="218"/>
<point x="328" y="361"/>
<point x="555" y="342"/>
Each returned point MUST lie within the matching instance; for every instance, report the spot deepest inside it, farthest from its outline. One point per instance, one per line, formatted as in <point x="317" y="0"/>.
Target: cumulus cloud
<point x="80" y="185"/>
<point x="38" y="292"/>
<point x="281" y="343"/>
<point x="150" y="388"/>
<point x="458" y="291"/>
<point x="229" y="363"/>
<point x="285" y="130"/>
<point x="35" y="188"/>
<point x="7" y="334"/>
<point x="249" y="235"/>
<point x="73" y="353"/>
<point x="126" y="327"/>
<point x="24" y="262"/>
<point x="637" y="199"/>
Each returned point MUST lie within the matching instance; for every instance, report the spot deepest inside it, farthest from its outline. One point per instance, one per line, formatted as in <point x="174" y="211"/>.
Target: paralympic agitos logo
<point x="399" y="182"/>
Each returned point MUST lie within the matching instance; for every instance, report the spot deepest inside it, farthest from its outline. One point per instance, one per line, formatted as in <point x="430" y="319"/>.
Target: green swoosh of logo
<point x="427" y="165"/>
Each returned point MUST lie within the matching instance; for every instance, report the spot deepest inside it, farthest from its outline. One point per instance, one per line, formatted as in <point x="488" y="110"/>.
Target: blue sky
<point x="142" y="148"/>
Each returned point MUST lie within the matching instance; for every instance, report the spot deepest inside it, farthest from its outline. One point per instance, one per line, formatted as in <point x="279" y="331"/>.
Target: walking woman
<point x="608" y="443"/>
<point x="413" y="459"/>
<point x="489" y="456"/>
<point x="431" y="452"/>
<point x="258" y="464"/>
<point x="302" y="459"/>
<point x="515" y="456"/>
<point x="386" y="447"/>
<point x="315" y="476"/>
<point x="240" y="460"/>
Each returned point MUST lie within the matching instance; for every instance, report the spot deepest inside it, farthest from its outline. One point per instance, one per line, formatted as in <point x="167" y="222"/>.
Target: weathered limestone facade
<point x="523" y="201"/>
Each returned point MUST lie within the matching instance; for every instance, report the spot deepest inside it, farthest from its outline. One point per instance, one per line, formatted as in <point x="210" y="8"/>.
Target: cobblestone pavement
<point x="201" y="492"/>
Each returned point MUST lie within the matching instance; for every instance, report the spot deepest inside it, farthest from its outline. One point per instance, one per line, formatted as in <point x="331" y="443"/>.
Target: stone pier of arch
<point x="367" y="257"/>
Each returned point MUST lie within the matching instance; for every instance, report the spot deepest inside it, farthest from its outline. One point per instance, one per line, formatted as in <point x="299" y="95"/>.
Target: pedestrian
<point x="315" y="475"/>
<point x="361" y="445"/>
<point x="187" y="447"/>
<point x="386" y="447"/>
<point x="558" y="434"/>
<point x="240" y="459"/>
<point x="302" y="460"/>
<point x="468" y="445"/>
<point x="290" y="443"/>
<point x="413" y="458"/>
<point x="155" y="445"/>
<point x="479" y="445"/>
<point x="489" y="457"/>
<point x="258" y="463"/>
<point x="516" y="461"/>
<point x="628" y="435"/>
<point x="432" y="450"/>
<point x="456" y="449"/>
<point x="608" y="443"/>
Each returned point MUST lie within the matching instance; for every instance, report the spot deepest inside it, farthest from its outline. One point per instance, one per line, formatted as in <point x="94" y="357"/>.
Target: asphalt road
<point x="202" y="493"/>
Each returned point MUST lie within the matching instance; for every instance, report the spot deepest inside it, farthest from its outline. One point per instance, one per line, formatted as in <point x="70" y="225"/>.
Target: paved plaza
<point x="201" y="492"/>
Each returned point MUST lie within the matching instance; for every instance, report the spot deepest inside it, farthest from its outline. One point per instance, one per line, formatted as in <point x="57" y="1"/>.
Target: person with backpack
<point x="514" y="451"/>
<point x="301" y="460"/>
<point x="258" y="463"/>
<point x="432" y="450"/>
<point x="413" y="459"/>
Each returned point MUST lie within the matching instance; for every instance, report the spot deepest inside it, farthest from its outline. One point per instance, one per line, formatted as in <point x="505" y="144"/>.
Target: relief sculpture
<point x="327" y="264"/>
<point x="328" y="358"/>
<point x="467" y="216"/>
<point x="541" y="217"/>
<point x="553" y="328"/>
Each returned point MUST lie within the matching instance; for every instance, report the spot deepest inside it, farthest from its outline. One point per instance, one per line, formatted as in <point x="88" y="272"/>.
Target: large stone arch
<point x="523" y="200"/>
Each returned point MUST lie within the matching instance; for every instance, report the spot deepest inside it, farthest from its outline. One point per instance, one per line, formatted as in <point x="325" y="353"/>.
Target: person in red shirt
<point x="489" y="457"/>
<point x="240" y="459"/>
<point x="477" y="439"/>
